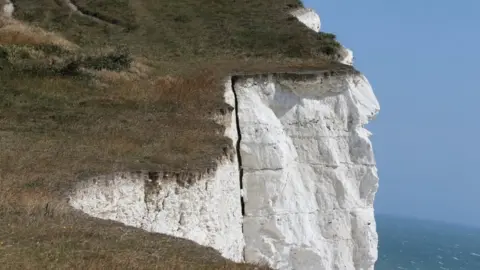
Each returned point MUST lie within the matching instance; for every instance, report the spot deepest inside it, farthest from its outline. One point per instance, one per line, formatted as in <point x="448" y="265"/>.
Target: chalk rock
<point x="309" y="172"/>
<point x="308" y="17"/>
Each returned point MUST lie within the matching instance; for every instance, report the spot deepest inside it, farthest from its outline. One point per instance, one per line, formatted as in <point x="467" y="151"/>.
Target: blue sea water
<point x="411" y="244"/>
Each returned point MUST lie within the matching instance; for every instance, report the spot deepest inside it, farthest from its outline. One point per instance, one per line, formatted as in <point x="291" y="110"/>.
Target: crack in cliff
<point x="239" y="139"/>
<point x="239" y="156"/>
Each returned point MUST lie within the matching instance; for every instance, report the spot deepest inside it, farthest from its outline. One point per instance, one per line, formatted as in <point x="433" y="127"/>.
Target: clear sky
<point x="422" y="58"/>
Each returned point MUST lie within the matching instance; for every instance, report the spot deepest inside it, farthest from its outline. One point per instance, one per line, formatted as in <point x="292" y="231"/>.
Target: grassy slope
<point x="60" y="123"/>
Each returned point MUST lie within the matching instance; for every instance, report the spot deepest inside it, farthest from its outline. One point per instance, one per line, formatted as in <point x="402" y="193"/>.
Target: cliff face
<point x="309" y="173"/>
<point x="304" y="177"/>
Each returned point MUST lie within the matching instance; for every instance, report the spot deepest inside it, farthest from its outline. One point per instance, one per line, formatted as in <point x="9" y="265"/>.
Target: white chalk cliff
<point x="306" y="167"/>
<point x="309" y="175"/>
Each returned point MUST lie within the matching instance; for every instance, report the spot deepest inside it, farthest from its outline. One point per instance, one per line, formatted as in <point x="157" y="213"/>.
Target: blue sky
<point x="422" y="58"/>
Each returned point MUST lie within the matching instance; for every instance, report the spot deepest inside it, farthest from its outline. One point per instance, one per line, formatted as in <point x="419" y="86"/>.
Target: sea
<point x="413" y="244"/>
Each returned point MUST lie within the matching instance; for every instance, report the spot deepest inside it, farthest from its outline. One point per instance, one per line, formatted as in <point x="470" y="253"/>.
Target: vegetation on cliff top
<point x="123" y="85"/>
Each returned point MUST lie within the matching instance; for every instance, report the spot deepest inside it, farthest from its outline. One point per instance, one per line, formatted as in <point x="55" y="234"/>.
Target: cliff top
<point x="93" y="87"/>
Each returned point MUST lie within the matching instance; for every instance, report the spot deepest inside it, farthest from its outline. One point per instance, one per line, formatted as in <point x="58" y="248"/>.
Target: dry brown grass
<point x="52" y="240"/>
<point x="54" y="133"/>
<point x="15" y="32"/>
<point x="159" y="114"/>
